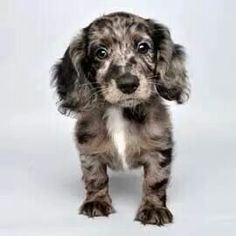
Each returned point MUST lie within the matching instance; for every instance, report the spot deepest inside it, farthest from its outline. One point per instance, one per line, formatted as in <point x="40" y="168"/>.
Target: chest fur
<point x="117" y="129"/>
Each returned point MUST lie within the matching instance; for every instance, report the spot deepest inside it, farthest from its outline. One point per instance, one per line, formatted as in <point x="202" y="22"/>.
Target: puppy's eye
<point x="101" y="53"/>
<point x="143" y="48"/>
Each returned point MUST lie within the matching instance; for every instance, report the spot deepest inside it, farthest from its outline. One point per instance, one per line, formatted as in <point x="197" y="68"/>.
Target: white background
<point x="40" y="178"/>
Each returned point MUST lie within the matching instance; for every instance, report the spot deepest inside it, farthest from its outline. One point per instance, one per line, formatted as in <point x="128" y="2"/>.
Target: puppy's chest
<point x="120" y="133"/>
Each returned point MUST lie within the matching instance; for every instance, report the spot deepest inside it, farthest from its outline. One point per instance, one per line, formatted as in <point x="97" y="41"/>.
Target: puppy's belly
<point x="117" y="129"/>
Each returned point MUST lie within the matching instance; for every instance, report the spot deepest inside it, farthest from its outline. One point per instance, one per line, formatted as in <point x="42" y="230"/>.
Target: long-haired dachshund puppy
<point x="113" y="78"/>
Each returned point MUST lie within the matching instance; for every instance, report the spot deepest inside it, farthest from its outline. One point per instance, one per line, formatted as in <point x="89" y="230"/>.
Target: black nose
<point x="127" y="83"/>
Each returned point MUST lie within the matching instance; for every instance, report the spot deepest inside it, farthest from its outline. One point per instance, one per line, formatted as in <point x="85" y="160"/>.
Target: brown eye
<point x="143" y="48"/>
<point x="101" y="53"/>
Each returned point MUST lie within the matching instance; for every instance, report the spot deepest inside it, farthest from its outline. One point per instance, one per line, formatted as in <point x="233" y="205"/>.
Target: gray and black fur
<point x="113" y="78"/>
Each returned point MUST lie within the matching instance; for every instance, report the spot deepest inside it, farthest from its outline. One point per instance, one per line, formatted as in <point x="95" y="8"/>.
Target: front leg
<point x="153" y="209"/>
<point x="98" y="201"/>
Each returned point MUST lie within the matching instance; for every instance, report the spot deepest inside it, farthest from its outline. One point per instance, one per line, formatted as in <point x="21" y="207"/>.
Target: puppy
<point x="113" y="78"/>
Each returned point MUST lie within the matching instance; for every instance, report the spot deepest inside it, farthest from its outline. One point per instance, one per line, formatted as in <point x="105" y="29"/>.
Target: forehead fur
<point x="117" y="26"/>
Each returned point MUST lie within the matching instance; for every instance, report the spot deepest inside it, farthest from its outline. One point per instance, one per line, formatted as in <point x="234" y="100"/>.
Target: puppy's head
<point x="122" y="59"/>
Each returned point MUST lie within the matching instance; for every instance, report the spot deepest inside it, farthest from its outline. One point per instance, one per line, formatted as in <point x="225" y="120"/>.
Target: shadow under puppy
<point x="113" y="78"/>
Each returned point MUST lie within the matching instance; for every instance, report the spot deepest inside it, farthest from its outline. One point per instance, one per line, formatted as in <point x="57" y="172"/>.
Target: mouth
<point x="129" y="102"/>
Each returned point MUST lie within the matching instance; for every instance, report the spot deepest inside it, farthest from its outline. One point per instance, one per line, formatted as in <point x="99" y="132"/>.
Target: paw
<point x="96" y="208"/>
<point x="150" y="214"/>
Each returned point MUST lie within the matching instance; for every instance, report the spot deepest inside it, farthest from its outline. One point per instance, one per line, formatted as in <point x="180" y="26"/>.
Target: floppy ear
<point x="72" y="86"/>
<point x="172" y="81"/>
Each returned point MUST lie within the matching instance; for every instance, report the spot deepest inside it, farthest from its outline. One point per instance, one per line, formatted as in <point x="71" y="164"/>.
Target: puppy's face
<point x="122" y="55"/>
<point x="123" y="58"/>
